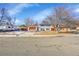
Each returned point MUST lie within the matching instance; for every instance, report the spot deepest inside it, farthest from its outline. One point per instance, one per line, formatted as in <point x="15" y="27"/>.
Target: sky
<point x="35" y="11"/>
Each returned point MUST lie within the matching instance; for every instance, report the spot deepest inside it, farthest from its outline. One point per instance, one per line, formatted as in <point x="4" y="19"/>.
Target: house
<point x="46" y="28"/>
<point x="23" y="28"/>
<point x="53" y="28"/>
<point x="64" y="28"/>
<point x="32" y="28"/>
<point x="6" y="23"/>
<point x="77" y="26"/>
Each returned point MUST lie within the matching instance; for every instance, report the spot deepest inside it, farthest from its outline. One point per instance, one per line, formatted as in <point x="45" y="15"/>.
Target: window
<point x="42" y="29"/>
<point x="8" y="27"/>
<point x="47" y="29"/>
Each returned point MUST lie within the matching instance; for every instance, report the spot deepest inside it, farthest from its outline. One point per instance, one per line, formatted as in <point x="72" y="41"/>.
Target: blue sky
<point x="37" y="11"/>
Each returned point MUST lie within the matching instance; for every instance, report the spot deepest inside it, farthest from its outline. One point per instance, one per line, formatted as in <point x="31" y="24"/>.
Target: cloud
<point x="77" y="10"/>
<point x="19" y="22"/>
<point x="42" y="14"/>
<point x="19" y="7"/>
<point x="74" y="7"/>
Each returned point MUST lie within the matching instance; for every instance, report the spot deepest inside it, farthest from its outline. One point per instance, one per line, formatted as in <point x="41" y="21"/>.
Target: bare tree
<point x="29" y="21"/>
<point x="6" y="19"/>
<point x="61" y="16"/>
<point x="64" y="16"/>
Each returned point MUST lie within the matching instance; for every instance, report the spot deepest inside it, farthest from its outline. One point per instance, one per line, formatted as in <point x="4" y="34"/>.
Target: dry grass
<point x="46" y="33"/>
<point x="51" y="33"/>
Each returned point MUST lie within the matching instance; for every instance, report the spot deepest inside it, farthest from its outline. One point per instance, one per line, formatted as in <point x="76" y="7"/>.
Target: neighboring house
<point x="53" y="28"/>
<point x="23" y="28"/>
<point x="6" y="23"/>
<point x="39" y="28"/>
<point x="46" y="28"/>
<point x="32" y="28"/>
<point x="64" y="29"/>
<point x="77" y="28"/>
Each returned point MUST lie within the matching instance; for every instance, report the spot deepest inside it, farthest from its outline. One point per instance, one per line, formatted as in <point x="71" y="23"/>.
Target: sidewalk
<point x="32" y="35"/>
